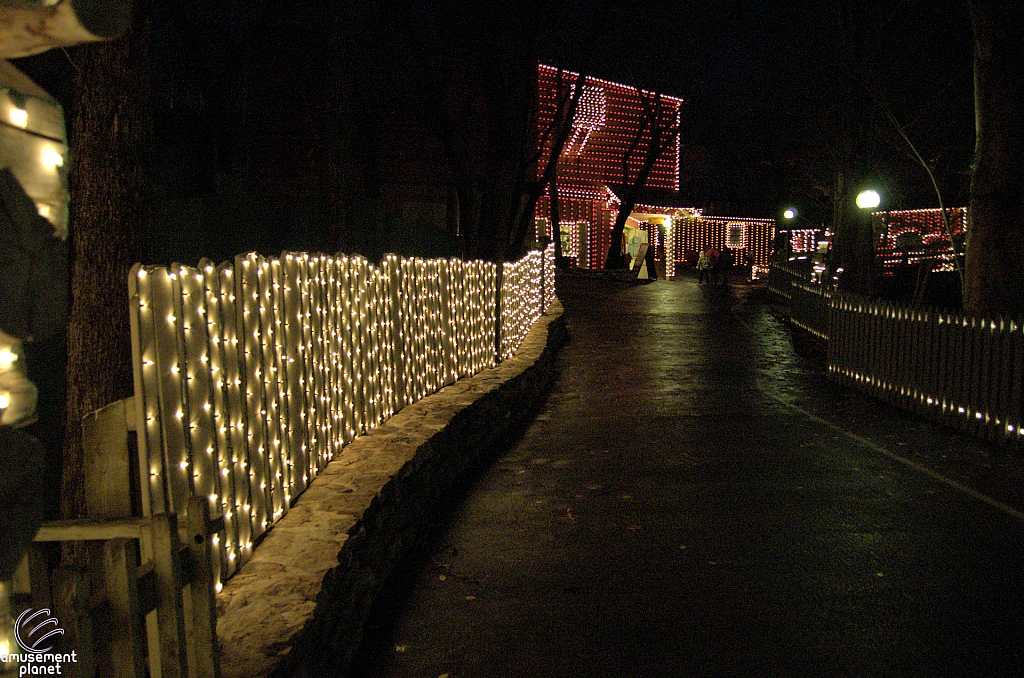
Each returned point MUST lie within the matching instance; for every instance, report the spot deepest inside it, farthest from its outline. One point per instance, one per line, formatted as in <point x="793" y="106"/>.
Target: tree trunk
<point x="661" y="138"/>
<point x="994" y="266"/>
<point x="558" y="133"/>
<point x="615" y="258"/>
<point x="111" y="138"/>
<point x="556" y="220"/>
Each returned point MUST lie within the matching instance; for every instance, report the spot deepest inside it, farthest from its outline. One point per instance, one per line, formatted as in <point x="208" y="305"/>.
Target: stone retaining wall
<point x="298" y="607"/>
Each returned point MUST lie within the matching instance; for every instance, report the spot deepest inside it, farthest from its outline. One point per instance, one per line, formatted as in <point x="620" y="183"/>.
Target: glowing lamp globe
<point x="790" y="213"/>
<point x="868" y="200"/>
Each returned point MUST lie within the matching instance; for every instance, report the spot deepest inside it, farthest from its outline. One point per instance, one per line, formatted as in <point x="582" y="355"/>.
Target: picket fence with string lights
<point x="963" y="371"/>
<point x="252" y="375"/>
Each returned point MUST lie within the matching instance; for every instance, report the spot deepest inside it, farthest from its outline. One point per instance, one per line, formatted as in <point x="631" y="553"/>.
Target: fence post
<point x="498" y="281"/>
<point x="71" y="603"/>
<point x="121" y="568"/>
<point x="543" y="278"/>
<point x="170" y="612"/>
<point x="204" y="660"/>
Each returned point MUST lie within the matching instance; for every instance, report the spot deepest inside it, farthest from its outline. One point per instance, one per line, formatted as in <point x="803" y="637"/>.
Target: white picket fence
<point x="252" y="375"/>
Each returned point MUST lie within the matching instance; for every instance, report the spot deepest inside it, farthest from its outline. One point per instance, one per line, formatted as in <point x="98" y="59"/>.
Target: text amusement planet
<point x="36" y="631"/>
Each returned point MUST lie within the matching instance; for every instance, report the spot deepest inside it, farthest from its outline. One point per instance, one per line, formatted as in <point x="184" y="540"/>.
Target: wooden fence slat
<point x="986" y="358"/>
<point x="1004" y="376"/>
<point x="920" y="354"/>
<point x="120" y="566"/>
<point x="934" y="364"/>
<point x="910" y="376"/>
<point x="148" y="423"/>
<point x="1017" y="385"/>
<point x="71" y="608"/>
<point x="942" y="363"/>
<point x="1006" y="388"/>
<point x="1015" y="406"/>
<point x="906" y="358"/>
<point x="847" y="338"/>
<point x="250" y="358"/>
<point x="970" y="368"/>
<point x="976" y="365"/>
<point x="204" y="654"/>
<point x="959" y="370"/>
<point x="170" y="607"/>
<point x="963" y="367"/>
<point x="872" y="356"/>
<point x="107" y="467"/>
<point x="932" y="368"/>
<point x="946" y="357"/>
<point x="994" y="381"/>
<point x="885" y="365"/>
<point x="896" y="347"/>
<point x="853" y="355"/>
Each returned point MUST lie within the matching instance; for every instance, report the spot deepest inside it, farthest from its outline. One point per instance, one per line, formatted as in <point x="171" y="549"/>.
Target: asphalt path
<point x="695" y="499"/>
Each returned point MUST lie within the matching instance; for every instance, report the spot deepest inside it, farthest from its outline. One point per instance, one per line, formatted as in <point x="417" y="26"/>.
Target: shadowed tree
<point x="994" y="264"/>
<point x="657" y="132"/>
<point x="110" y="145"/>
<point x="891" y="110"/>
<point x="477" y="91"/>
<point x="552" y="138"/>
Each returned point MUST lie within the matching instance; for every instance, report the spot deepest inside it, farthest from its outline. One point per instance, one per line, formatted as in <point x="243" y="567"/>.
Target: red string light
<point x="606" y="124"/>
<point x="926" y="223"/>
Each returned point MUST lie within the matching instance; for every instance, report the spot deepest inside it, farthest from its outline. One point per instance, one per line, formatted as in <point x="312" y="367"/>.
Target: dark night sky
<point x="762" y="79"/>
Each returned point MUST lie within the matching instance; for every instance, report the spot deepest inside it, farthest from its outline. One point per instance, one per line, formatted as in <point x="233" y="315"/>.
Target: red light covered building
<point x="914" y="236"/>
<point x="590" y="169"/>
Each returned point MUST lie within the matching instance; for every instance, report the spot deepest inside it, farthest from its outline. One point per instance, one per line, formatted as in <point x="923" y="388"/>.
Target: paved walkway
<point x="695" y="500"/>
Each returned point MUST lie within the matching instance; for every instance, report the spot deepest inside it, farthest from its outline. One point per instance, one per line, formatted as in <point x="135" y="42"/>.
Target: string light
<point x="604" y="129"/>
<point x="606" y="123"/>
<point x="258" y="371"/>
<point x="18" y="117"/>
<point x="607" y="118"/>
<point x="928" y="226"/>
<point x="916" y="379"/>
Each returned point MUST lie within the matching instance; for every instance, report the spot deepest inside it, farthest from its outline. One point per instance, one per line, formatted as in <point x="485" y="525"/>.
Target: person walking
<point x="722" y="266"/>
<point x="703" y="268"/>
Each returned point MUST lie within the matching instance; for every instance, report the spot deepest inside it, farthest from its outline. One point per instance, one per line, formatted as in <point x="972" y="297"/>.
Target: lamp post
<point x="867" y="200"/>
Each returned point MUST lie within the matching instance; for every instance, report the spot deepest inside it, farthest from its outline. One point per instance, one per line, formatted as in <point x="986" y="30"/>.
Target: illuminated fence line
<point x="524" y="297"/>
<point x="252" y="375"/>
<point x="958" y="370"/>
<point x="962" y="371"/>
<point x="782" y="278"/>
<point x="809" y="307"/>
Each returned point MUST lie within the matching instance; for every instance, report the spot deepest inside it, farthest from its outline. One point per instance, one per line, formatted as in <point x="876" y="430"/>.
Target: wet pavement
<point x="695" y="499"/>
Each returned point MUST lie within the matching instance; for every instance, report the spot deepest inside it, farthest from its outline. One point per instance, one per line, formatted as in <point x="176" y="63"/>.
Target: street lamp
<point x="790" y="213"/>
<point x="868" y="199"/>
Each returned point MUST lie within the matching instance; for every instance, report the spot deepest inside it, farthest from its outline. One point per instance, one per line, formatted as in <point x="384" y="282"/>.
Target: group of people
<point x="713" y="266"/>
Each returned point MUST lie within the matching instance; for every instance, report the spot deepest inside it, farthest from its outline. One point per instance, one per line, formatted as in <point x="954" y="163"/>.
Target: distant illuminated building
<point x="803" y="240"/>
<point x="913" y="236"/>
<point x="590" y="169"/>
